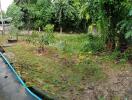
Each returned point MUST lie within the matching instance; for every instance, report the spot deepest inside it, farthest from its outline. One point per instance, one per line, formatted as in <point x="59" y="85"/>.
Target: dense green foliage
<point x="15" y="13"/>
<point x="111" y="19"/>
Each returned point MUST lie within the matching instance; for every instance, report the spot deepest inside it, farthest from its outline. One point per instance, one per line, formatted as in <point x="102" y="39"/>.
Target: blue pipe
<point x="18" y="77"/>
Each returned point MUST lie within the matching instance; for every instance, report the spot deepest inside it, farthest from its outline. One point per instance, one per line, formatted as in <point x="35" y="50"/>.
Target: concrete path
<point x="10" y="87"/>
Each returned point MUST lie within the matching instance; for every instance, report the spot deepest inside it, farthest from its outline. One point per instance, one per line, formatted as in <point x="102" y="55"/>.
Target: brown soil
<point x="118" y="86"/>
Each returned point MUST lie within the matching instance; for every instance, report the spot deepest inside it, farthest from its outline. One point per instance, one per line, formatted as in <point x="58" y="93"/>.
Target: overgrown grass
<point x="50" y="74"/>
<point x="72" y="42"/>
<point x="55" y="72"/>
<point x="62" y="66"/>
<point x="3" y="38"/>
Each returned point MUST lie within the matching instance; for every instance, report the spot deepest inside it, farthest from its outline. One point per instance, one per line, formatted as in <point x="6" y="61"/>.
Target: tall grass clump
<point x="93" y="44"/>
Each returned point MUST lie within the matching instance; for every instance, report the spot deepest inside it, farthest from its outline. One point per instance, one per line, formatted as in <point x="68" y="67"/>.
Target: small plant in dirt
<point x="45" y="39"/>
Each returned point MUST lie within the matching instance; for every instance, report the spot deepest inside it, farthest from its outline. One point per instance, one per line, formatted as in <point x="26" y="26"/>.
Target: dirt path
<point x="118" y="86"/>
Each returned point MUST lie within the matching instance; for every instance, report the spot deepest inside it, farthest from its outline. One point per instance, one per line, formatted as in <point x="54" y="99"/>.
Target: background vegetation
<point x="112" y="19"/>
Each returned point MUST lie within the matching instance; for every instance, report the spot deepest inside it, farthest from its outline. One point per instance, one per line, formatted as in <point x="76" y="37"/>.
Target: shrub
<point x="92" y="44"/>
<point x="115" y="55"/>
<point x="45" y="39"/>
<point x="13" y="32"/>
<point x="28" y="39"/>
<point x="33" y="38"/>
<point x="49" y="28"/>
<point x="127" y="54"/>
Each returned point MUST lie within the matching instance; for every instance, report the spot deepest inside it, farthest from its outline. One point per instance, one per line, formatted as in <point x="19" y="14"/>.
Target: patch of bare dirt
<point x="118" y="86"/>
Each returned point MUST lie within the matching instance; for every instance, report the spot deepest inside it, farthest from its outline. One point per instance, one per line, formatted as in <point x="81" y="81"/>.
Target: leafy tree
<point x="36" y="13"/>
<point x="65" y="13"/>
<point x="111" y="17"/>
<point x="82" y="10"/>
<point x="15" y="13"/>
<point x="109" y="13"/>
<point x="44" y="13"/>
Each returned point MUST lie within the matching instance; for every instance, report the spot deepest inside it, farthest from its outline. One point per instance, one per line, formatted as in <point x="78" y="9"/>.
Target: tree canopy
<point x="112" y="18"/>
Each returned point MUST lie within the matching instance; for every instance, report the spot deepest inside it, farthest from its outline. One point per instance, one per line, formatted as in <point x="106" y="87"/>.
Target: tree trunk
<point x="29" y="26"/>
<point x="61" y="29"/>
<point x="39" y="29"/>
